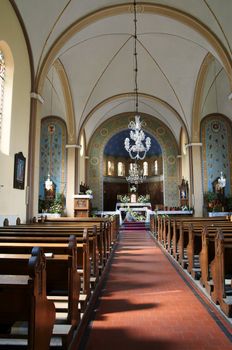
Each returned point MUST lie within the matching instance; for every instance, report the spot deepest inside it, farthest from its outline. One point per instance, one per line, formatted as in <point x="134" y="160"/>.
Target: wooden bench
<point x="198" y="254"/>
<point x="63" y="280"/>
<point x="37" y="233"/>
<point x="75" y="225"/>
<point x="221" y="270"/>
<point x="97" y="243"/>
<point x="103" y="223"/>
<point x="180" y="235"/>
<point x="86" y="245"/>
<point x="23" y="298"/>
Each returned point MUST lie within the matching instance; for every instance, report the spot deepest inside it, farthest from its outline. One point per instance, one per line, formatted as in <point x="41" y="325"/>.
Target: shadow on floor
<point x="120" y="305"/>
<point x="117" y="339"/>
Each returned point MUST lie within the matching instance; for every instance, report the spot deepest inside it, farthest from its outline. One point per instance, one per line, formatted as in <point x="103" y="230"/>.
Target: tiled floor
<point x="147" y="305"/>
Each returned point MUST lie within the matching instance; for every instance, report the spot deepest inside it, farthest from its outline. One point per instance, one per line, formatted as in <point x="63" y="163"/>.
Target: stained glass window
<point x="155" y="167"/>
<point x="110" y="168"/>
<point x="145" y="168"/>
<point x="121" y="169"/>
<point x="2" y="82"/>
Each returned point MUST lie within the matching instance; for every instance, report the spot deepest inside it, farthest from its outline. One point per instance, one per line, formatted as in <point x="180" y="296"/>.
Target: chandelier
<point x="135" y="174"/>
<point x="141" y="143"/>
<point x="48" y="181"/>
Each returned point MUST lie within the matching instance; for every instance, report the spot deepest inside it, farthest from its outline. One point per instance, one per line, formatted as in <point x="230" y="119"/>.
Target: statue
<point x="183" y="188"/>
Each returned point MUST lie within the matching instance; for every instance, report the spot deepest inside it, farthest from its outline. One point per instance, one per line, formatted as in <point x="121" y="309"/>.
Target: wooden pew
<point x="221" y="266"/>
<point x="75" y="225"/>
<point x="180" y="235"/>
<point x="103" y="223"/>
<point x="85" y="245"/>
<point x="62" y="275"/>
<point x="23" y="298"/>
<point x="197" y="247"/>
<point x="152" y="224"/>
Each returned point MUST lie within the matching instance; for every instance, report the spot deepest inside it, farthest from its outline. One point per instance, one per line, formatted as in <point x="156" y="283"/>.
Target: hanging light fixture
<point x="221" y="181"/>
<point x="51" y="129"/>
<point x="136" y="175"/>
<point x="48" y="182"/>
<point x="142" y="143"/>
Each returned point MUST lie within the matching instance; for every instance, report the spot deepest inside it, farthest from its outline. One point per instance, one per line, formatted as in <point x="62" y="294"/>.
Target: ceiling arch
<point x="93" y="42"/>
<point x="119" y="103"/>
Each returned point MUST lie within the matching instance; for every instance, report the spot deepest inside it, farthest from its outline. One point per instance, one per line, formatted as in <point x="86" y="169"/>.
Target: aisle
<point x="146" y="304"/>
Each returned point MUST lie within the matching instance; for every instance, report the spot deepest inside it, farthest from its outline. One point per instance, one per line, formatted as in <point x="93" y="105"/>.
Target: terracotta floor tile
<point x="146" y="305"/>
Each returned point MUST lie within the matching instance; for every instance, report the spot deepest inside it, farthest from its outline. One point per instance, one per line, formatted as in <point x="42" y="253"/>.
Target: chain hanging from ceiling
<point x="142" y="144"/>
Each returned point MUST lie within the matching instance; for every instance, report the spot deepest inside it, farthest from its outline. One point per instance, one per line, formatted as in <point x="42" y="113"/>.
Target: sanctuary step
<point x="134" y="225"/>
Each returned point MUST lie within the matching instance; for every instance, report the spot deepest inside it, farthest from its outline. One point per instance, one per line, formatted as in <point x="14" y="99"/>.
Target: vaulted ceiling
<point x="93" y="40"/>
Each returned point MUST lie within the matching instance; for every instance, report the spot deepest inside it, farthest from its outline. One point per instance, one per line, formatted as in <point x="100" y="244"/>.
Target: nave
<point x="149" y="303"/>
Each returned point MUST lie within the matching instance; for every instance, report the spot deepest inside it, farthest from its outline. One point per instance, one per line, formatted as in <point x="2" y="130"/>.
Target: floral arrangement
<point x="56" y="208"/>
<point x="125" y="199"/>
<point x="58" y="204"/>
<point x="134" y="215"/>
<point x="142" y="199"/>
<point x="137" y="216"/>
<point x="89" y="192"/>
<point x="184" y="208"/>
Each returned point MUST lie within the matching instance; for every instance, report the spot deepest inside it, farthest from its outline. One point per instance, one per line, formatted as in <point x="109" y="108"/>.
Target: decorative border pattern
<point x="57" y="151"/>
<point x="216" y="136"/>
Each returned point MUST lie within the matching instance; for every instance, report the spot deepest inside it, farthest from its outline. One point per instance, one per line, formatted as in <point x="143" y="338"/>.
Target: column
<point x="196" y="190"/>
<point x="71" y="164"/>
<point x="33" y="157"/>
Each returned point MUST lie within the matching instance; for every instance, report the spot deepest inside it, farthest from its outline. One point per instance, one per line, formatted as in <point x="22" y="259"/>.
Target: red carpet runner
<point x="146" y="305"/>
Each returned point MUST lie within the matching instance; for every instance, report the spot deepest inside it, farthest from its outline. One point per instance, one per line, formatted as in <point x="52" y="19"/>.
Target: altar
<point x="144" y="208"/>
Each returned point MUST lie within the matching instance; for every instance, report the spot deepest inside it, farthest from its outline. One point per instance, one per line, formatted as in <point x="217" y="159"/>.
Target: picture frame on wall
<point x="19" y="171"/>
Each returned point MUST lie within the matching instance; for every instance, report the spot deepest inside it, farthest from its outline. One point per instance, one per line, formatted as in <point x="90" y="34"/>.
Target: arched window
<point x="6" y="93"/>
<point x="155" y="167"/>
<point x="110" y="168"/>
<point x="82" y="144"/>
<point x="2" y="85"/>
<point x="145" y="168"/>
<point x="121" y="169"/>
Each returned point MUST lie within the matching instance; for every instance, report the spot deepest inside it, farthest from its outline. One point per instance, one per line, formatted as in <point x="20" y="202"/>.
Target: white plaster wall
<point x="13" y="201"/>
<point x="216" y="92"/>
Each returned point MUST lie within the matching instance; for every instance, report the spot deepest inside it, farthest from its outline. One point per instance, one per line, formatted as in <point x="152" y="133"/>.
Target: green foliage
<point x="210" y="196"/>
<point x="56" y="206"/>
<point x="143" y="199"/>
<point x="125" y="199"/>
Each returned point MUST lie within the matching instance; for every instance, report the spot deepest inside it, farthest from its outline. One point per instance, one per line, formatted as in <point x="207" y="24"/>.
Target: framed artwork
<point x="19" y="171"/>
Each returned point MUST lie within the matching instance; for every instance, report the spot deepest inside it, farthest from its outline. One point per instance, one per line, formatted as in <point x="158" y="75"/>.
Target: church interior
<point x="116" y="174"/>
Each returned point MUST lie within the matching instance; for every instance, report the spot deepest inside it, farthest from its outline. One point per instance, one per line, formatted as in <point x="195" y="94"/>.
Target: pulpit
<point x="82" y="205"/>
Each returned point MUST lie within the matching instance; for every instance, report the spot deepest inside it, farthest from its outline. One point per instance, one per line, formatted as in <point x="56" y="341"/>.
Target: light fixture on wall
<point x="142" y="144"/>
<point x="136" y="175"/>
<point x="48" y="181"/>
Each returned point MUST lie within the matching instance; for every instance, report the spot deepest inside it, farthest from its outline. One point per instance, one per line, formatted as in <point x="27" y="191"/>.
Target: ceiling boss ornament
<point x="142" y="144"/>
